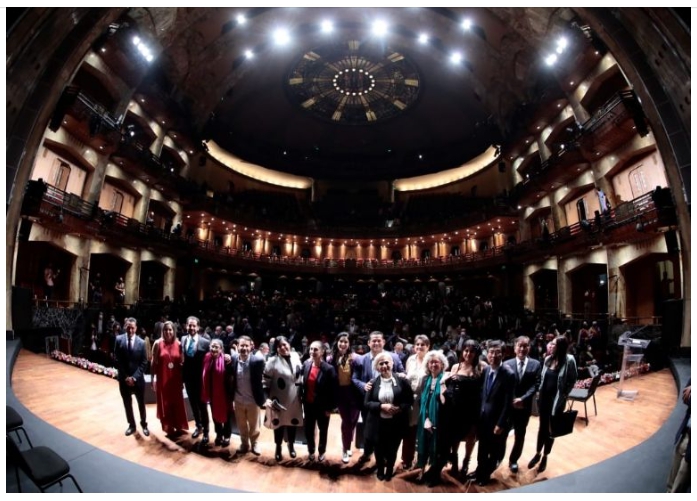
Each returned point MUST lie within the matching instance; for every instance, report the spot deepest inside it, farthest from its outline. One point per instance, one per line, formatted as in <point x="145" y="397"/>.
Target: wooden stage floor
<point x="88" y="406"/>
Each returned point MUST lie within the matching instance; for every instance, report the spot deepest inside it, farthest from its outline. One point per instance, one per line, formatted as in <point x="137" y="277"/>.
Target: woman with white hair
<point x="387" y="406"/>
<point x="431" y="445"/>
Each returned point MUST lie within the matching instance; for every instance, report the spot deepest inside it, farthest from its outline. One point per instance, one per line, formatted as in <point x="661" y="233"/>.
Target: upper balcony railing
<point x="611" y="126"/>
<point x="630" y="221"/>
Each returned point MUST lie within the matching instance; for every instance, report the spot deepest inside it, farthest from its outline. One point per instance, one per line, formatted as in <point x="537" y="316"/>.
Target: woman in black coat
<point x="319" y="398"/>
<point x="387" y="403"/>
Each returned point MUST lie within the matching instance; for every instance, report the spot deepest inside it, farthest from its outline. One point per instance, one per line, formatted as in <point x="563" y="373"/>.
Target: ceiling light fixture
<point x="423" y="38"/>
<point x="466" y="24"/>
<point x="281" y="36"/>
<point x="327" y="26"/>
<point x="456" y="58"/>
<point x="248" y="54"/>
<point x="380" y="28"/>
<point x="241" y="19"/>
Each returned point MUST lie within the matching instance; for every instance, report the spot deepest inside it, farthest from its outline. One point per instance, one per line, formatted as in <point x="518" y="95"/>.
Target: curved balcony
<point x="632" y="221"/>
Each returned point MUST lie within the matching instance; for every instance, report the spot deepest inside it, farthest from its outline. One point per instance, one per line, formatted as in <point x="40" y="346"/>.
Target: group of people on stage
<point x="427" y="404"/>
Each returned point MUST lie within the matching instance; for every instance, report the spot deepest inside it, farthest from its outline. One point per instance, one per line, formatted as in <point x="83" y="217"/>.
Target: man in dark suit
<point x="527" y="378"/>
<point x="131" y="361"/>
<point x="248" y="392"/>
<point x="195" y="348"/>
<point x="363" y="374"/>
<point x="497" y="397"/>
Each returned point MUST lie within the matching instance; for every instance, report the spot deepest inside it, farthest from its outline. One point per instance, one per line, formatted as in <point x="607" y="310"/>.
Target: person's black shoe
<point x="543" y="465"/>
<point x="146" y="432"/>
<point x="291" y="451"/>
<point x="513" y="467"/>
<point x="471" y="477"/>
<point x="434" y="480"/>
<point x="380" y="474"/>
<point x="389" y="473"/>
<point x="130" y="430"/>
<point x="363" y="459"/>
<point x="205" y="438"/>
<point x="196" y="433"/>
<point x="534" y="461"/>
<point x="218" y="441"/>
<point x="278" y="455"/>
<point x="483" y="481"/>
<point x="225" y="442"/>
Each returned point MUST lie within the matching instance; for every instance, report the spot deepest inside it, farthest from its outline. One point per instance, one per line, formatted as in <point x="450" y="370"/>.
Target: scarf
<point x="426" y="440"/>
<point x="213" y="387"/>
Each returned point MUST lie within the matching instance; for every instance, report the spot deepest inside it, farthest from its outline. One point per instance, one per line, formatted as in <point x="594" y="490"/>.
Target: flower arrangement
<point x="85" y="364"/>
<point x="611" y="377"/>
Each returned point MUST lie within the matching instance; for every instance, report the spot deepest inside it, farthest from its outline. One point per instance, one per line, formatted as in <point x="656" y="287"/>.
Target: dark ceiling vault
<point x="461" y="109"/>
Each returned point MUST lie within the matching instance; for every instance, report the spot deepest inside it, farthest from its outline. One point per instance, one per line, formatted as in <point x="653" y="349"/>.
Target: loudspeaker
<point x="21" y="308"/>
<point x="671" y="241"/>
<point x="672" y="324"/>
<point x="502" y="166"/>
<point x="25" y="230"/>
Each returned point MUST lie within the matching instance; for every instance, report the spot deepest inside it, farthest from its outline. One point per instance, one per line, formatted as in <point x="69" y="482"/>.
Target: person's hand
<point x="518" y="403"/>
<point x="228" y="359"/>
<point x="498" y="430"/>
<point x="368" y="386"/>
<point x="268" y="403"/>
<point x="686" y="394"/>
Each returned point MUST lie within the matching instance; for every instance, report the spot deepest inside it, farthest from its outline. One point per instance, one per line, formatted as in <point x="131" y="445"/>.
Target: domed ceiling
<point x="317" y="92"/>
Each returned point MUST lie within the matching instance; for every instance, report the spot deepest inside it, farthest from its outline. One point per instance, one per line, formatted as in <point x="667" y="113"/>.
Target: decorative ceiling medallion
<point x="354" y="82"/>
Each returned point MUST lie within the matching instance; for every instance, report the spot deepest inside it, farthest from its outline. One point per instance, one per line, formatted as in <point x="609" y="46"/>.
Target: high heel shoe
<point x="534" y="461"/>
<point x="465" y="469"/>
<point x="453" y="465"/>
<point x="291" y="451"/>
<point x="543" y="465"/>
<point x="278" y="456"/>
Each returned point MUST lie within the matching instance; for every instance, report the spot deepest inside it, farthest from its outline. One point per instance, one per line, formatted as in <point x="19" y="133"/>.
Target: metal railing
<point x="641" y="211"/>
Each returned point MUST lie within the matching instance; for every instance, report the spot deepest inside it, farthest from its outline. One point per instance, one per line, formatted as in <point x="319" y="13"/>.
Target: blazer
<point x="363" y="370"/>
<point x="256" y="376"/>
<point x="403" y="398"/>
<point x="526" y="386"/>
<point x="497" y="403"/>
<point x="192" y="370"/>
<point x="565" y="382"/>
<point x="325" y="388"/>
<point x="130" y="364"/>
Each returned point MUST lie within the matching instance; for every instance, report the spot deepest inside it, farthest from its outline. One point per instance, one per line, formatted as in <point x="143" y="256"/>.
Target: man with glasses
<point x="497" y="398"/>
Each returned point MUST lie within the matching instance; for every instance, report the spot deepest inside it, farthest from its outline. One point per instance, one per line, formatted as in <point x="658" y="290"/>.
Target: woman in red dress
<point x="167" y="358"/>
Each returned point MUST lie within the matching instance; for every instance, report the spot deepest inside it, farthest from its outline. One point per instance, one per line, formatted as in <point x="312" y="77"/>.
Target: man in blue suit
<point x="527" y="376"/>
<point x="497" y="398"/>
<point x="363" y="374"/>
<point x="131" y="362"/>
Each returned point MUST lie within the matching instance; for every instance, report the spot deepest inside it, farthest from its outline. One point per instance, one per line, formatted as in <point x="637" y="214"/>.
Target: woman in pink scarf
<point x="216" y="390"/>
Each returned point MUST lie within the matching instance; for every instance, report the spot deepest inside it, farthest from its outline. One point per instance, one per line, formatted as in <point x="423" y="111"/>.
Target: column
<point x="617" y="291"/>
<point x="132" y="280"/>
<point x="140" y="211"/>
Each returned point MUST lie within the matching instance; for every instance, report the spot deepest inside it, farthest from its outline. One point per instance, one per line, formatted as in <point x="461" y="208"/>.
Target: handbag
<point x="562" y="424"/>
<point x="272" y="418"/>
